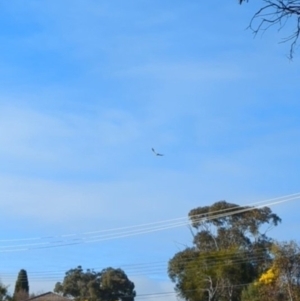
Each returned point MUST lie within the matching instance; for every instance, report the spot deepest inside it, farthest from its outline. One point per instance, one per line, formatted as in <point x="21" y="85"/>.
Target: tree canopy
<point x="278" y="13"/>
<point x="21" y="291"/>
<point x="108" y="285"/>
<point x="281" y="280"/>
<point x="4" y="296"/>
<point x="230" y="249"/>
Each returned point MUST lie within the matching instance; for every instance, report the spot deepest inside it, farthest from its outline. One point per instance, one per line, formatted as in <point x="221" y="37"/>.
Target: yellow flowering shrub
<point x="269" y="276"/>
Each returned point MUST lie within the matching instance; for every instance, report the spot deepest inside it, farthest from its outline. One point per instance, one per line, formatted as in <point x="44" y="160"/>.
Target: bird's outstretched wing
<point x="157" y="154"/>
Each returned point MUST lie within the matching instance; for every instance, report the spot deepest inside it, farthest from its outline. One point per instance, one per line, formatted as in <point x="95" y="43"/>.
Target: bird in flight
<point x="157" y="154"/>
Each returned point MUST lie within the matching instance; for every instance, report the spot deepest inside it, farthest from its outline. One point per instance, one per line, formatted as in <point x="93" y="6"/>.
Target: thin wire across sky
<point x="61" y="240"/>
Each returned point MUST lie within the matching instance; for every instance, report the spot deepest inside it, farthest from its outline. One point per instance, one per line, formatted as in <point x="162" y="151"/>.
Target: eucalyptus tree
<point x="108" y="285"/>
<point x="230" y="249"/>
<point x="281" y="280"/>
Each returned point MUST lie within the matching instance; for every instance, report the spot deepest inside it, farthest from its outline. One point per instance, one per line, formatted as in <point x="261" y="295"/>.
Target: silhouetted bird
<point x="157" y="154"/>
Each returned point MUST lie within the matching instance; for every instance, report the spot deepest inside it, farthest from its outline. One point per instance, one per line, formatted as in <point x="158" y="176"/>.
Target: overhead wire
<point x="254" y="204"/>
<point x="158" y="268"/>
<point x="153" y="227"/>
<point x="213" y="216"/>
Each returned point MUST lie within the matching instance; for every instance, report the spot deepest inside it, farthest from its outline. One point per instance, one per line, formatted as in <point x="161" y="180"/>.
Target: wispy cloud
<point x="154" y="290"/>
<point x="89" y="87"/>
<point x="48" y="138"/>
<point x="187" y="72"/>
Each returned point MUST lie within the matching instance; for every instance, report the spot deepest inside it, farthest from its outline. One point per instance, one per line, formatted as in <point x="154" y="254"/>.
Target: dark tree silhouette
<point x="278" y="13"/>
<point x="108" y="285"/>
<point x="22" y="287"/>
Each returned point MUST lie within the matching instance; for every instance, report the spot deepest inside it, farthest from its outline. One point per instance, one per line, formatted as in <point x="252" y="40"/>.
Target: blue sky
<point x="89" y="87"/>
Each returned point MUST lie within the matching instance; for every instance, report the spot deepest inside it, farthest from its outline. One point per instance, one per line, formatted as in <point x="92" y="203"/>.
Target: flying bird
<point x="157" y="154"/>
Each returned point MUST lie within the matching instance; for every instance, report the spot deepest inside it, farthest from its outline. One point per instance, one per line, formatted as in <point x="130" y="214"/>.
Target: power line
<point x="258" y="204"/>
<point x="135" y="230"/>
<point x="212" y="260"/>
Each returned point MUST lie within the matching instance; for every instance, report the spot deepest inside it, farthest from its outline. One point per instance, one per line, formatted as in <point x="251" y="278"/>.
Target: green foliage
<point x="251" y="293"/>
<point x="281" y="281"/>
<point x="287" y="263"/>
<point x="114" y="281"/>
<point x="263" y="291"/>
<point x="4" y="296"/>
<point x="108" y="285"/>
<point x="210" y="275"/>
<point x="229" y="251"/>
<point x="22" y="286"/>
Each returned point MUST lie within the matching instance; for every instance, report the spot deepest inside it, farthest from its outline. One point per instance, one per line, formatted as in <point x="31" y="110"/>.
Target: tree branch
<point x="278" y="12"/>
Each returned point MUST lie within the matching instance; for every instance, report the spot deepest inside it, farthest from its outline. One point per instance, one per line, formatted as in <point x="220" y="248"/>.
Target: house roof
<point x="50" y="296"/>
